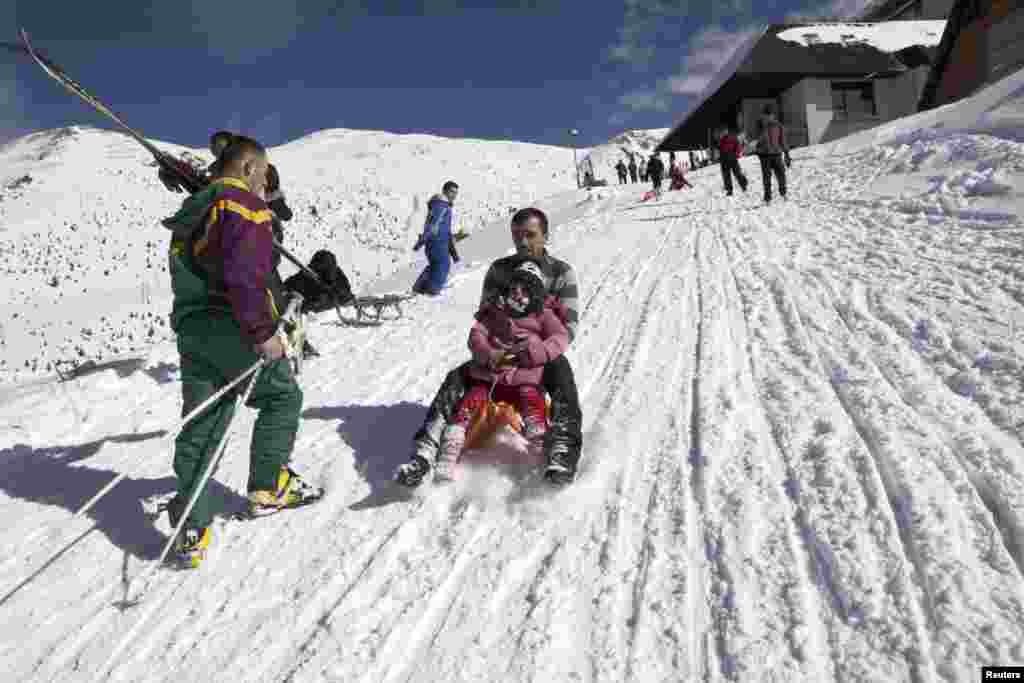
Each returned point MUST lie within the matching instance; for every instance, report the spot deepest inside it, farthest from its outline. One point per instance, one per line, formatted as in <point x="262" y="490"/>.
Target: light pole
<point x="572" y="134"/>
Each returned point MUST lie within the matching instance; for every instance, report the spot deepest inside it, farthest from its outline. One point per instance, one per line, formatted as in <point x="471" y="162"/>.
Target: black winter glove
<point x="789" y="161"/>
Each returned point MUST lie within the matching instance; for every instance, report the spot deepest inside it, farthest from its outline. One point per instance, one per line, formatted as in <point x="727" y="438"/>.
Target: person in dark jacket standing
<point x="632" y="170"/>
<point x="771" y="148"/>
<point x="656" y="170"/>
<point x="220" y="262"/>
<point x="729" y="152"/>
<point x="564" y="439"/>
<point x="316" y="299"/>
<point x="438" y="241"/>
<point x="621" y="169"/>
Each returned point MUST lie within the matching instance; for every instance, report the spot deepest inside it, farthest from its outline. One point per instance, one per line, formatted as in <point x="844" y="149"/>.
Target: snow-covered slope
<point x="83" y="269"/>
<point x="603" y="158"/>
<point x="803" y="459"/>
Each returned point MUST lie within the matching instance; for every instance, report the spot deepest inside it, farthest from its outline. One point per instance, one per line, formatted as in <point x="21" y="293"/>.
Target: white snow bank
<point x="888" y="36"/>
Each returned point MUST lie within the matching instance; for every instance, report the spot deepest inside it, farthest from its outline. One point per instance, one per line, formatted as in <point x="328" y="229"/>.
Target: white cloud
<point x="835" y="9"/>
<point x="645" y="100"/>
<point x="642" y="21"/>
<point x="707" y="52"/>
<point x="618" y="118"/>
<point x="238" y="31"/>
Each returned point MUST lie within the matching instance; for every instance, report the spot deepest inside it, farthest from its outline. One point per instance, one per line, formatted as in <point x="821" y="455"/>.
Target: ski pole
<point x="198" y="488"/>
<point x="177" y="430"/>
<point x="261" y="364"/>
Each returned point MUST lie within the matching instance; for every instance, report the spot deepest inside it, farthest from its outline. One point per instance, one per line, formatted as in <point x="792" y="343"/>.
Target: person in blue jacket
<point x="438" y="241"/>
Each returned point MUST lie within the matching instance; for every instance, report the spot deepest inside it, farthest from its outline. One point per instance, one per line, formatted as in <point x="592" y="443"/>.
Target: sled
<point x="372" y="311"/>
<point x="494" y="436"/>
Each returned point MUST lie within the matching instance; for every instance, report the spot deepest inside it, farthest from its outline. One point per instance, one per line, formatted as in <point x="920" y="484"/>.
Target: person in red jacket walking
<point x="729" y="152"/>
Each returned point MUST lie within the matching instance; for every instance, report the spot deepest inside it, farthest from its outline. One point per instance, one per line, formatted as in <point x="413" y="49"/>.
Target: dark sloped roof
<point x="880" y="10"/>
<point x="772" y="66"/>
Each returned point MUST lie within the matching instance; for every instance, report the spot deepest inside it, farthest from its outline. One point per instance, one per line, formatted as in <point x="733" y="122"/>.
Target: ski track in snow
<point x="802" y="462"/>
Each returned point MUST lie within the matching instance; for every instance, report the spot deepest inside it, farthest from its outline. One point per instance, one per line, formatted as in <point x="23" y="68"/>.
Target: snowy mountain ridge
<point x="602" y="158"/>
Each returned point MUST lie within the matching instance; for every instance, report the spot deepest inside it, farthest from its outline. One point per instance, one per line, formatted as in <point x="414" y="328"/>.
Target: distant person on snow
<point x="621" y="169"/>
<point x="771" y="146"/>
<point x="438" y="241"/>
<point x="315" y="299"/>
<point x="224" y="319"/>
<point x="655" y="170"/>
<point x="729" y="152"/>
<point x="677" y="176"/>
<point x="564" y="438"/>
<point x="513" y="338"/>
<point x="632" y="170"/>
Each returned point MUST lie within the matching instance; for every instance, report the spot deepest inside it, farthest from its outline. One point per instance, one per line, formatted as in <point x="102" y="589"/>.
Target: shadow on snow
<point x="380" y="438"/>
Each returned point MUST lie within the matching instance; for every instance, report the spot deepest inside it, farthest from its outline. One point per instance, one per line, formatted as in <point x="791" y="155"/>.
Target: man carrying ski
<point x="220" y="262"/>
<point x="438" y="241"/>
<point x="564" y="438"/>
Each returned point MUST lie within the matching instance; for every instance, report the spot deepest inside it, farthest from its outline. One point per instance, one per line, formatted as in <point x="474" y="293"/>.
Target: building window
<point x="854" y="99"/>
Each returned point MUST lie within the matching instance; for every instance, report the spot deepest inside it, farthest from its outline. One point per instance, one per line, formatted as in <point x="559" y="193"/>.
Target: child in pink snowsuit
<point x="511" y="342"/>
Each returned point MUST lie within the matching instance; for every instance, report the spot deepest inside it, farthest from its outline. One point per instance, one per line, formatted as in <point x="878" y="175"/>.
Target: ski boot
<point x="190" y="547"/>
<point x="533" y="432"/>
<point x="558" y="472"/>
<point x="452" y="441"/>
<point x="291" y="492"/>
<point x="411" y="474"/>
<point x="191" y="544"/>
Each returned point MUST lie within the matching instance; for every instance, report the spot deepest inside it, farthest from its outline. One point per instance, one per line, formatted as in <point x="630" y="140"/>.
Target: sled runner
<point x="372" y="311"/>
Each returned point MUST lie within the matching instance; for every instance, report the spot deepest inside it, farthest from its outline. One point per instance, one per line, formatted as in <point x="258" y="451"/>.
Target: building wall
<point x="898" y="97"/>
<point x="810" y="119"/>
<point x="1005" y="42"/>
<point x="988" y="47"/>
<point x="967" y="65"/>
<point x="818" y="106"/>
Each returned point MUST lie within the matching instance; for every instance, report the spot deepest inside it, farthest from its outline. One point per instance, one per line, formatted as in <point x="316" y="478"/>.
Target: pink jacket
<point x="495" y="331"/>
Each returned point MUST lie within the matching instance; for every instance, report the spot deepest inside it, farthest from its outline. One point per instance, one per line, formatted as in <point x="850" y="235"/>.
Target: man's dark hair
<point x="222" y="135"/>
<point x="523" y="216"/>
<point x="769" y="109"/>
<point x="450" y="185"/>
<point x="273" y="179"/>
<point x="240" y="148"/>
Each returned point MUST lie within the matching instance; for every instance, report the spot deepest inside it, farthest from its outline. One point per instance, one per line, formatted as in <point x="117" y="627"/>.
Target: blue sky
<point x="523" y="70"/>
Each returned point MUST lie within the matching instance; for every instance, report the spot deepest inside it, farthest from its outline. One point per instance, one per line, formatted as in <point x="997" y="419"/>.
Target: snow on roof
<point x="887" y="36"/>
